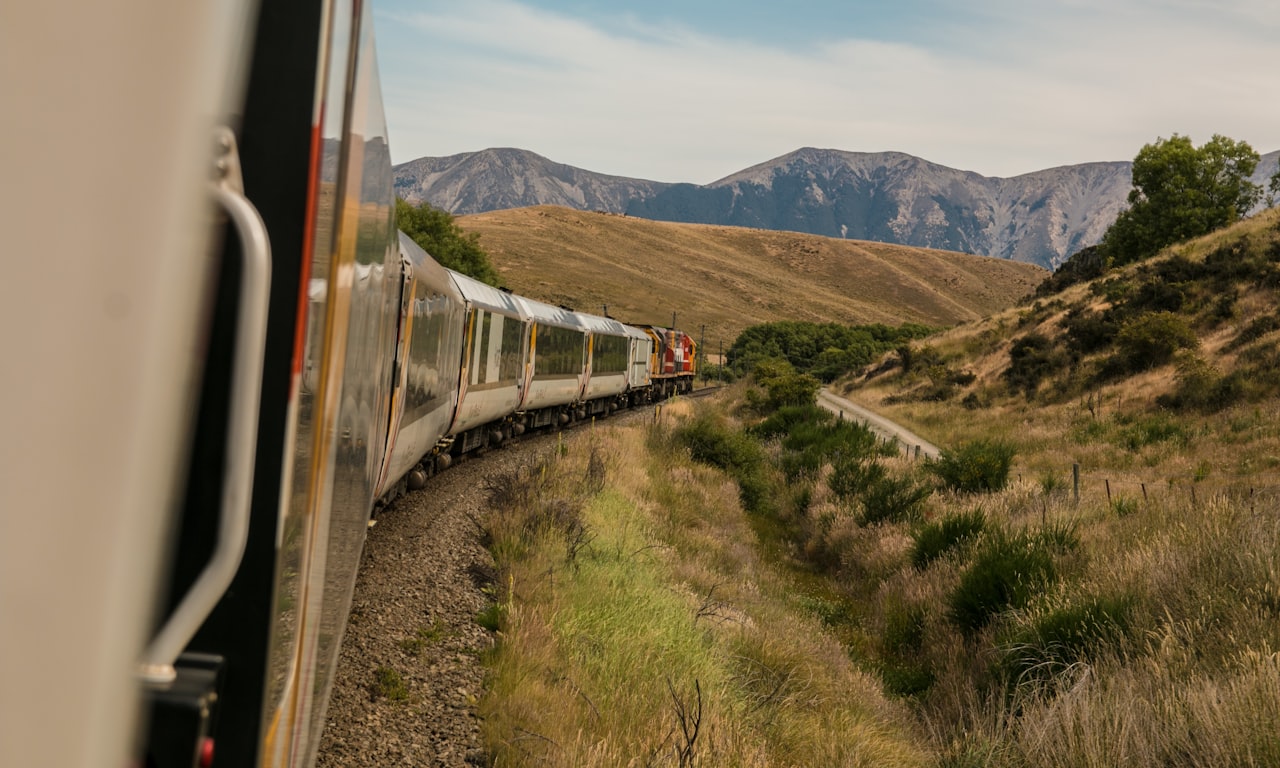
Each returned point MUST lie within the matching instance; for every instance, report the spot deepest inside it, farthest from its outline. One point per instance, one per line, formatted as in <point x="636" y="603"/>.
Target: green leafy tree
<point x="1182" y="191"/>
<point x="438" y="234"/>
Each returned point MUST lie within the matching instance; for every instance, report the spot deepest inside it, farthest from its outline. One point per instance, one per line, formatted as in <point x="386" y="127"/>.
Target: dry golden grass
<point x="728" y="278"/>
<point x="1179" y="513"/>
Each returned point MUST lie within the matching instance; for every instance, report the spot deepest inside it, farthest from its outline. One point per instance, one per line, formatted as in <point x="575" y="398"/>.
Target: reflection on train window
<point x="558" y="351"/>
<point x="423" y="389"/>
<point x="609" y="354"/>
<point x="512" y="346"/>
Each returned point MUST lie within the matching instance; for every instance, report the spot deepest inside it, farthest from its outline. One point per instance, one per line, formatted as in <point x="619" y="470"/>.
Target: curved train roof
<point x="488" y="297"/>
<point x="549" y="314"/>
<point x="426" y="270"/>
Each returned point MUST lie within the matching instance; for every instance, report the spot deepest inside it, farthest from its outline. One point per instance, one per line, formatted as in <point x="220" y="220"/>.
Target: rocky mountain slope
<point x="1040" y="218"/>
<point x="497" y="179"/>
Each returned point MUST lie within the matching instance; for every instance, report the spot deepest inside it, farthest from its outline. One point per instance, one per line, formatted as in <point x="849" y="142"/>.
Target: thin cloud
<point x="1068" y="83"/>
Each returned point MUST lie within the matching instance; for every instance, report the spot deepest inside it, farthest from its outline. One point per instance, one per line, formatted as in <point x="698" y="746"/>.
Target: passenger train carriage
<point x="241" y="356"/>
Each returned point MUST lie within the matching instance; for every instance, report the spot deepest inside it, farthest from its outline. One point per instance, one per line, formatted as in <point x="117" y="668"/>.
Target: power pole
<point x="702" y="337"/>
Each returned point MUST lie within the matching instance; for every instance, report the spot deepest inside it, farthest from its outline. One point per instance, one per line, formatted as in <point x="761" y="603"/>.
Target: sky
<point x="696" y="90"/>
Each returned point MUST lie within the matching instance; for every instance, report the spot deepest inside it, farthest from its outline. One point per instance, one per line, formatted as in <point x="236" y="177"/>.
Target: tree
<point x="438" y="234"/>
<point x="1181" y="191"/>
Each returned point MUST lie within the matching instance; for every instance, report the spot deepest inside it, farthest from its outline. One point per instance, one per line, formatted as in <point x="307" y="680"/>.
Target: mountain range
<point x="1041" y="217"/>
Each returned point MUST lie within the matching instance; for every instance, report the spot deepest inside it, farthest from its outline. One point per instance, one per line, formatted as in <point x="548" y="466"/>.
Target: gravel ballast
<point x="414" y="612"/>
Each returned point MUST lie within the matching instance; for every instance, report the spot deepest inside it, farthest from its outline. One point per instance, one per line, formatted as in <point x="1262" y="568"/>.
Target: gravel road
<point x="877" y="423"/>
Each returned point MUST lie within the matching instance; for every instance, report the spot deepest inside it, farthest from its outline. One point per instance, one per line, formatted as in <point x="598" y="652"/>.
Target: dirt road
<point x="909" y="441"/>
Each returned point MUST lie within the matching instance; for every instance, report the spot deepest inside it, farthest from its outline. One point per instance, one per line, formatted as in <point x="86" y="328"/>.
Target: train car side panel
<point x="557" y="357"/>
<point x="341" y="435"/>
<point x="429" y="353"/>
<point x="493" y="377"/>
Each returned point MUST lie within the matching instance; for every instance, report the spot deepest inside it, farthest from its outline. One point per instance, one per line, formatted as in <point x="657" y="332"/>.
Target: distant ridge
<point x="497" y="179"/>
<point x="1039" y="218"/>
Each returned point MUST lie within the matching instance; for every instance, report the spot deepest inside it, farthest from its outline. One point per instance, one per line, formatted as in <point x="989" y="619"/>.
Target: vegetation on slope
<point x="1148" y="630"/>
<point x="1181" y="191"/>
<point x="825" y="350"/>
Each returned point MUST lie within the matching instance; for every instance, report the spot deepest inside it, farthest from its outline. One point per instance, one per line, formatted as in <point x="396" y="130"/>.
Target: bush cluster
<point x="978" y="466"/>
<point x="1007" y="571"/>
<point x="1033" y="358"/>
<point x="712" y="440"/>
<point x="1151" y="340"/>
<point x="824" y="350"/>
<point x="933" y="540"/>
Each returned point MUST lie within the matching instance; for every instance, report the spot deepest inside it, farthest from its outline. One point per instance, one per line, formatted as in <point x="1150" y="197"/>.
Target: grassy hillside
<point x="1145" y="622"/>
<point x="730" y="277"/>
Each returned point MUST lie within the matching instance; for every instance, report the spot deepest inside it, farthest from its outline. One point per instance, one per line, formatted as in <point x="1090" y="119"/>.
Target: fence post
<point x="1075" y="482"/>
<point x="1108" y="482"/>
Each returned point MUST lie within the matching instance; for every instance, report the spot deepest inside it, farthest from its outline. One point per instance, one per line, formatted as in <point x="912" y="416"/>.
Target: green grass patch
<point x="933" y="540"/>
<point x="389" y="684"/>
<point x="1008" y="570"/>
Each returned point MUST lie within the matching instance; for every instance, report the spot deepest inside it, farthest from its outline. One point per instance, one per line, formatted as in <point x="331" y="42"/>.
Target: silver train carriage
<point x="495" y="357"/>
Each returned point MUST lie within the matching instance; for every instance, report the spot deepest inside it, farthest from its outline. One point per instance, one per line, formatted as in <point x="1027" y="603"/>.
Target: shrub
<point x="1200" y="387"/>
<point x="1032" y="358"/>
<point x="1140" y="431"/>
<point x="1151" y="340"/>
<point x="1063" y="636"/>
<point x="786" y="418"/>
<point x="1007" y="571"/>
<point x="982" y="465"/>
<point x="1088" y="331"/>
<point x="933" y="540"/>
<point x="1255" y="330"/>
<point x="851" y="476"/>
<point x="813" y="438"/>
<point x="893" y="500"/>
<point x="792" y="389"/>
<point x="711" y="440"/>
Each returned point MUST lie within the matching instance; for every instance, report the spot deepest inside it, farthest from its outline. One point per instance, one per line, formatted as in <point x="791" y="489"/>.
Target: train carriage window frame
<point x="558" y="352"/>
<point x="610" y="355"/>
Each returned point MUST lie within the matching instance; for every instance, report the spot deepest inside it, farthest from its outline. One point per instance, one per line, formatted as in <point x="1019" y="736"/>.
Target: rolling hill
<point x="726" y="278"/>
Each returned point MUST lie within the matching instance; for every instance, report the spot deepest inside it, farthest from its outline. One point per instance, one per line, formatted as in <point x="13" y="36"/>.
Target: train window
<point x="480" y="350"/>
<point x="559" y="351"/>
<point x="608" y="355"/>
<point x="423" y="388"/>
<point x="512" y="346"/>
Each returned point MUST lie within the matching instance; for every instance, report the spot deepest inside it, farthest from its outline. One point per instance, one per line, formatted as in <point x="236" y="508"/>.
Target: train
<point x="219" y="359"/>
